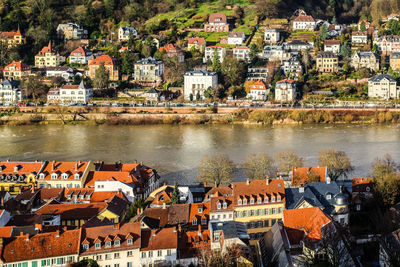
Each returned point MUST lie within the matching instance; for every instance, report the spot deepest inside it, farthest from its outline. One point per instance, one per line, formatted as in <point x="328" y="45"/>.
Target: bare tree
<point x="337" y="162"/>
<point x="287" y="160"/>
<point x="257" y="166"/>
<point x="218" y="169"/>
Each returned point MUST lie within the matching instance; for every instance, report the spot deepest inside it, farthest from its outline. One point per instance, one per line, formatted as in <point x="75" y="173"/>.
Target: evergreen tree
<point x="216" y="64"/>
<point x="198" y="96"/>
<point x="127" y="63"/>
<point x="334" y="20"/>
<point x="345" y="50"/>
<point x="363" y="27"/>
<point x="175" y="195"/>
<point x="323" y="33"/>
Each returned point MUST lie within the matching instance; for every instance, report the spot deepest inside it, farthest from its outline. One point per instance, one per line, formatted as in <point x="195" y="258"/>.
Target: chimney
<point x="267" y="181"/>
<point x="164" y="206"/>
<point x="58" y="233"/>
<point x="53" y="165"/>
<point x="33" y="189"/>
<point x="199" y="228"/>
<point x="27" y="237"/>
<point x="328" y="180"/>
<point x="38" y="227"/>
<point x="247" y="181"/>
<point x="116" y="226"/>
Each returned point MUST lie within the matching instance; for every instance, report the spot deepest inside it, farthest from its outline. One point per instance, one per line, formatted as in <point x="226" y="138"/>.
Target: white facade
<point x="359" y="39"/>
<point x="128" y="190"/>
<point x="236" y="38"/>
<point x="383" y="86"/>
<point x="161" y="256"/>
<point x="199" y="81"/>
<point x="242" y="53"/>
<point x="285" y="91"/>
<point x="122" y="258"/>
<point x="276" y="52"/>
<point x="258" y="94"/>
<point x="305" y="23"/>
<point x="221" y="216"/>
<point x="59" y="261"/>
<point x="272" y="36"/>
<point x="125" y="32"/>
<point x="73" y="94"/>
<point x="209" y="53"/>
<point x="335" y="48"/>
<point x="10" y="92"/>
<point x="66" y="73"/>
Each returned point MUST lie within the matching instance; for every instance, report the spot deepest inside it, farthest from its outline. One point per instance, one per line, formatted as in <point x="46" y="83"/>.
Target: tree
<point x="323" y="33"/>
<point x="191" y="97"/>
<point x="175" y="194"/>
<point x="101" y="77"/>
<point x="306" y="60"/>
<point x="345" y="50"/>
<point x="334" y="20"/>
<point x="287" y="160"/>
<point x="253" y="55"/>
<point x="234" y="72"/>
<point x="216" y="63"/>
<point x="127" y="63"/>
<point x="85" y="263"/>
<point x="198" y="96"/>
<point x="267" y="8"/>
<point x="337" y="162"/>
<point x="385" y="172"/>
<point x="363" y="27"/>
<point x="34" y="87"/>
<point x="133" y="208"/>
<point x="218" y="169"/>
<point x="258" y="166"/>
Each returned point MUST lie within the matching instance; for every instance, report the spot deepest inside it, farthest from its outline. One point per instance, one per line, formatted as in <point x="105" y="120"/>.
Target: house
<point x="173" y="51"/>
<point x="16" y="70"/>
<point x="73" y="93"/>
<point x="299" y="176"/>
<point x="236" y="38"/>
<point x="259" y="204"/>
<point x="148" y="72"/>
<point x="258" y="91"/>
<point x="159" y="246"/>
<point x="257" y="73"/>
<point x="332" y="46"/>
<point x="53" y="96"/>
<point x="12" y="38"/>
<point x="24" y="202"/>
<point x="292" y="68"/>
<point x="275" y="52"/>
<point x="361" y="191"/>
<point x="42" y="249"/>
<point x="395" y="61"/>
<point x="64" y="174"/>
<point x="327" y="62"/>
<point x="125" y="33"/>
<point x="217" y="22"/>
<point x="191" y="245"/>
<point x="18" y="176"/>
<point x="334" y="30"/>
<point x="221" y="208"/>
<point x="326" y="195"/>
<point x="383" y="86"/>
<point x="359" y="37"/>
<point x="81" y="55"/>
<point x="187" y="194"/>
<point x="286" y="90"/>
<point x="66" y="73"/>
<point x="211" y="51"/>
<point x="297" y="45"/>
<point x="241" y="53"/>
<point x="225" y="234"/>
<point x="197" y="43"/>
<point x="368" y="60"/>
<point x="152" y="94"/>
<point x="87" y="195"/>
<point x="165" y="216"/>
<point x="10" y="91"/>
<point x="271" y="36"/>
<point x="303" y="23"/>
<point x="196" y="82"/>
<point x="71" y="31"/>
<point x="112" y="245"/>
<point x="48" y="57"/>
<point x="365" y="23"/>
<point x="109" y="63"/>
<point x="388" y="44"/>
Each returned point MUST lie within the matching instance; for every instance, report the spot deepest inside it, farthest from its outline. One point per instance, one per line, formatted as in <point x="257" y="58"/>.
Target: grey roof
<point x="326" y="54"/>
<point x="395" y="55"/>
<point x="315" y="194"/>
<point x="236" y="35"/>
<point x="231" y="229"/>
<point x="380" y="77"/>
<point x="200" y="73"/>
<point x="366" y="54"/>
<point x="149" y="60"/>
<point x="12" y="83"/>
<point x="152" y="91"/>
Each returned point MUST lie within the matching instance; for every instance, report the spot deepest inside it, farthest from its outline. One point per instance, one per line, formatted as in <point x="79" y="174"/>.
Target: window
<point x="108" y="256"/>
<point x="41" y="176"/>
<point x="76" y="176"/>
<point x="244" y="201"/>
<point x="97" y="245"/>
<point x="129" y="241"/>
<point x="143" y="254"/>
<point x="219" y="206"/>
<point x="259" y="200"/>
<point x="117" y="243"/>
<point x="200" y="210"/>
<point x="203" y="221"/>
<point x="129" y="253"/>
<point x="116" y="255"/>
<point x="168" y="252"/>
<point x="64" y="176"/>
<point x="98" y="257"/>
<point x="251" y="212"/>
<point x="85" y="247"/>
<point x="239" y="202"/>
<point x="273" y="211"/>
<point x="252" y="201"/>
<point x="194" y="222"/>
<point x="150" y="254"/>
<point x="129" y="264"/>
<point x="116" y="265"/>
<point x="108" y="244"/>
<point x="266" y="199"/>
<point x="159" y="253"/>
<point x="54" y="176"/>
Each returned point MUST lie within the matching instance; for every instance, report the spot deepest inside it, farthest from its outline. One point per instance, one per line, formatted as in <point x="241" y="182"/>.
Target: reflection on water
<point x="175" y="151"/>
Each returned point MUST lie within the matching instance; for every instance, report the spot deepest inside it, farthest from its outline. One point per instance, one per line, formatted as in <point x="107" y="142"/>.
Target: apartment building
<point x="109" y="63"/>
<point x="327" y="62"/>
<point x="210" y="51"/>
<point x="10" y="91"/>
<point x="368" y="60"/>
<point x="286" y="90"/>
<point x="48" y="57"/>
<point x="16" y="70"/>
<point x="217" y="22"/>
<point x="383" y="86"/>
<point x="71" y="31"/>
<point x="148" y="72"/>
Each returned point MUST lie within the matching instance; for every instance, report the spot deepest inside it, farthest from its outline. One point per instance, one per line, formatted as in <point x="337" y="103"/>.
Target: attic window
<point x="278" y="198"/>
<point x="85" y="246"/>
<point x="200" y="210"/>
<point x="54" y="176"/>
<point x="64" y="176"/>
<point x="252" y="201"/>
<point x="117" y="243"/>
<point x="129" y="241"/>
<point x="244" y="201"/>
<point x="266" y="199"/>
<point x="76" y="176"/>
<point x="204" y="221"/>
<point x="97" y="245"/>
<point x="194" y="221"/>
<point x="225" y="205"/>
<point x="219" y="206"/>
<point x="259" y="200"/>
<point x="239" y="202"/>
<point x="328" y="196"/>
<point x="41" y="176"/>
<point x="273" y="199"/>
<point x="108" y="244"/>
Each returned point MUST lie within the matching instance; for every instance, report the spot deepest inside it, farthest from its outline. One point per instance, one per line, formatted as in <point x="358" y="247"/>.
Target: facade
<point x="241" y="53"/>
<point x="10" y="91"/>
<point x="12" y="38"/>
<point x="71" y="31"/>
<point x="124" y="33"/>
<point x="388" y="44"/>
<point x="327" y="62"/>
<point x="236" y="38"/>
<point x="272" y="36"/>
<point x="258" y="91"/>
<point x="66" y="73"/>
<point x="198" y="81"/>
<point x="257" y="73"/>
<point x="225" y="234"/>
<point x="110" y="64"/>
<point x="197" y="43"/>
<point x="359" y="38"/>
<point x="149" y="71"/>
<point x="211" y="51"/>
<point x="332" y="46"/>
<point x="48" y="57"/>
<point x="292" y="68"/>
<point x="383" y="86"/>
<point x="297" y="45"/>
<point x="53" y="96"/>
<point x="302" y="22"/>
<point x="286" y="90"/>
<point x="81" y="56"/>
<point x="173" y="51"/>
<point x="74" y="93"/>
<point x="368" y="60"/>
<point x="221" y="208"/>
<point x="217" y="22"/>
<point x="395" y="61"/>
<point x="16" y="70"/>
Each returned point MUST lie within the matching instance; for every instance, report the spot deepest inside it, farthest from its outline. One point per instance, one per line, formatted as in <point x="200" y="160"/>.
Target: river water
<point x="175" y="151"/>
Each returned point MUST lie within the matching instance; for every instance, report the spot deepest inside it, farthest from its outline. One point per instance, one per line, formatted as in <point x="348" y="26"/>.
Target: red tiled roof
<point x="256" y="189"/>
<point x="70" y="86"/>
<point x="215" y="200"/>
<point x="45" y="50"/>
<point x="23" y="167"/>
<point x="162" y="197"/>
<point x="213" y="17"/>
<point x="125" y="177"/>
<point x="196" y="40"/>
<point x="106" y="59"/>
<point x="169" y="48"/>
<point x="80" y="51"/>
<point x="70" y="168"/>
<point x="219" y="191"/>
<point x="190" y="243"/>
<point x="286" y="81"/>
<point x="301" y="175"/>
<point x="73" y="210"/>
<point x="332" y="42"/>
<point x="106" y="196"/>
<point x="10" y="35"/>
<point x="258" y="85"/>
<point x="6" y="231"/>
<point x="304" y="18"/>
<point x="164" y="238"/>
<point x="49" y="193"/>
<point x="44" y="245"/>
<point x="195" y="213"/>
<point x="309" y="220"/>
<point x="17" y="65"/>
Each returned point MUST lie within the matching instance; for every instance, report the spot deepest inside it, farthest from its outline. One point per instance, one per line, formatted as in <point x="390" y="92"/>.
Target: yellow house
<point x="12" y="38"/>
<point x="115" y="211"/>
<point x="18" y="176"/>
<point x="259" y="204"/>
<point x="395" y="61"/>
<point x="47" y="57"/>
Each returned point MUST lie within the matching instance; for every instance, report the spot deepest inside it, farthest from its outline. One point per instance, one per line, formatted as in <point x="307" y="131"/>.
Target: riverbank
<point x="144" y="116"/>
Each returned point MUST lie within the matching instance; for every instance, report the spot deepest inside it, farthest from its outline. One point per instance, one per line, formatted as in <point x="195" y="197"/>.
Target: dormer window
<point x="203" y="221"/>
<point x="244" y="201"/>
<point x="117" y="243"/>
<point x="259" y="200"/>
<point x="278" y="198"/>
<point x="54" y="176"/>
<point x="41" y="176"/>
<point x="273" y="199"/>
<point x="129" y="241"/>
<point x="328" y="196"/>
<point x="76" y="176"/>
<point x="225" y="205"/>
<point x="200" y="210"/>
<point x="108" y="244"/>
<point x="16" y="169"/>
<point x="64" y="176"/>
<point x="97" y="245"/>
<point x="219" y="205"/>
<point x="239" y="202"/>
<point x="85" y="246"/>
<point x="266" y="199"/>
<point x="194" y="221"/>
<point x="252" y="201"/>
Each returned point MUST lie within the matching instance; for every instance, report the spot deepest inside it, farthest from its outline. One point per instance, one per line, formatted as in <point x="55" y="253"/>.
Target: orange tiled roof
<point x="70" y="168"/>
<point x="49" y="193"/>
<point x="6" y="231"/>
<point x="304" y="18"/>
<point x="219" y="191"/>
<point x="10" y="35"/>
<point x="286" y="80"/>
<point x="195" y="214"/>
<point x="73" y="210"/>
<point x="164" y="238"/>
<point x="106" y="59"/>
<point x="17" y="65"/>
<point x="220" y="199"/>
<point x="258" y="85"/>
<point x="162" y="197"/>
<point x="267" y="190"/>
<point x="44" y="245"/>
<point x="23" y="167"/>
<point x="215" y="16"/>
<point x="301" y="175"/>
<point x="107" y="196"/>
<point x="331" y="42"/>
<point x="309" y="220"/>
<point x="46" y="49"/>
<point x="190" y="243"/>
<point x="130" y="230"/>
<point x="169" y="48"/>
<point x="79" y="51"/>
<point x="125" y="177"/>
<point x="196" y="40"/>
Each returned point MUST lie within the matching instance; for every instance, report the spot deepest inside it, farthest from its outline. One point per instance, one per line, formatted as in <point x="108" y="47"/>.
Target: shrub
<point x="348" y="118"/>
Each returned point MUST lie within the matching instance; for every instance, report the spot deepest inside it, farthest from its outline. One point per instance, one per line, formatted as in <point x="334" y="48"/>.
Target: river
<point x="175" y="151"/>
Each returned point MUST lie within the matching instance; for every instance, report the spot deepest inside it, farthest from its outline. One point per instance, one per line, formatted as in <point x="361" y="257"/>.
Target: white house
<point x="65" y="72"/>
<point x="359" y="38"/>
<point x="210" y="52"/>
<point x="236" y="38"/>
<point x="74" y="93"/>
<point x="332" y="46"/>
<point x="292" y="67"/>
<point x="10" y="91"/>
<point x="285" y="90"/>
<point x="383" y="86"/>
<point x="305" y="23"/>
<point x="159" y="247"/>
<point x="198" y="81"/>
<point x="258" y="91"/>
<point x="125" y="32"/>
<point x="81" y="55"/>
<point x="241" y="53"/>
<point x="272" y="36"/>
